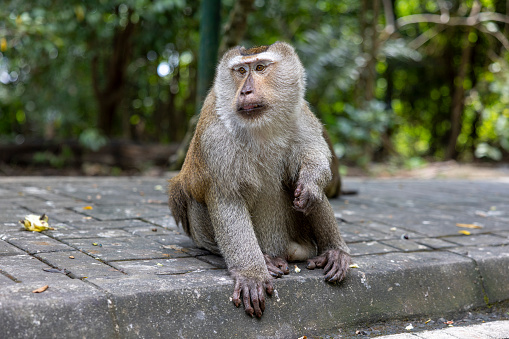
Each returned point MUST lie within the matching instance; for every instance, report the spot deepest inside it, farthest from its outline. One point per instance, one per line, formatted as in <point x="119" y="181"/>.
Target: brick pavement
<point x="117" y="265"/>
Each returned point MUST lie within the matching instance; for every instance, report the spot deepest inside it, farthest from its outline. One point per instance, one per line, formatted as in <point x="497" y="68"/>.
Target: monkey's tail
<point x="177" y="201"/>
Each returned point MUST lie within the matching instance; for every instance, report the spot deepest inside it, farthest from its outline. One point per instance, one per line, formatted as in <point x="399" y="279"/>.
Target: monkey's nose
<point x="246" y="90"/>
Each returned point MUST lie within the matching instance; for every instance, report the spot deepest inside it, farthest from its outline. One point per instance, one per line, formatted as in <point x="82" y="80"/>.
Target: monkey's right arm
<point x="237" y="242"/>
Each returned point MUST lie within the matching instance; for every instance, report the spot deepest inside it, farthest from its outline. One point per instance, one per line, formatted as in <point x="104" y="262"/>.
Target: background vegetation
<point x="404" y="81"/>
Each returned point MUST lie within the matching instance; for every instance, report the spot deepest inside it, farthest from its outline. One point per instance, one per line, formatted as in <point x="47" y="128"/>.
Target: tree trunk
<point x="113" y="75"/>
<point x="458" y="99"/>
<point x="236" y="26"/>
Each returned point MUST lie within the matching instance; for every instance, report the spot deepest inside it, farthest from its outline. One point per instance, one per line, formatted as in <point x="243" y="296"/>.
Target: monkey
<point x="251" y="188"/>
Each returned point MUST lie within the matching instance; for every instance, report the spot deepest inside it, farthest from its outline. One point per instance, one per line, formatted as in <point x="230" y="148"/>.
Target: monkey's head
<point x="259" y="86"/>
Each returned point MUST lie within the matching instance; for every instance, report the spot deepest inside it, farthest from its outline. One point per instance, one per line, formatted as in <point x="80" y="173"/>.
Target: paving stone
<point x="27" y="269"/>
<point x="91" y="223"/>
<point x="117" y="212"/>
<point x="357" y="233"/>
<point x="77" y="233"/>
<point x="162" y="266"/>
<point x="4" y="280"/>
<point x="8" y="249"/>
<point x="80" y="266"/>
<point x="479" y="239"/>
<point x="214" y="260"/>
<point x="372" y="247"/>
<point x="147" y="230"/>
<point x="166" y="221"/>
<point x="180" y="242"/>
<point x="435" y="243"/>
<point x="128" y="248"/>
<point x="34" y="242"/>
<point x="405" y="245"/>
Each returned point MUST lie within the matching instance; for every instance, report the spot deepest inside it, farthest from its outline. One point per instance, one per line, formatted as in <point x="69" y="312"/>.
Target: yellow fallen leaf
<point x="354" y="266"/>
<point x="36" y="223"/>
<point x="427" y="321"/>
<point x="88" y="208"/>
<point x="41" y="289"/>
<point x="464" y="232"/>
<point x="469" y="225"/>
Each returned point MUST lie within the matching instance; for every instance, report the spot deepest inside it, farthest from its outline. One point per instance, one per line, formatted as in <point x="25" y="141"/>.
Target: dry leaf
<point x="36" y="223"/>
<point x="427" y="321"/>
<point x="469" y="225"/>
<point x="88" y="208"/>
<point x="464" y="232"/>
<point x="71" y="257"/>
<point x="40" y="290"/>
<point x="354" y="266"/>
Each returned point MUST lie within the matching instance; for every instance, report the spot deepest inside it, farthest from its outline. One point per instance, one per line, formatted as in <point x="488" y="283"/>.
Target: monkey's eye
<point x="259" y="68"/>
<point x="242" y="70"/>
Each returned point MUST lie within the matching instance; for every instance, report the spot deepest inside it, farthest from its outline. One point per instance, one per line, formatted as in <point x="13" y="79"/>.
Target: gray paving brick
<point x="162" y="266"/>
<point x="479" y="239"/>
<point x="8" y="249"/>
<point x="77" y="233"/>
<point x="117" y="212"/>
<point x="372" y="247"/>
<point x="79" y="265"/>
<point x="435" y="243"/>
<point x="128" y="248"/>
<point x="34" y="242"/>
<point x="405" y="245"/>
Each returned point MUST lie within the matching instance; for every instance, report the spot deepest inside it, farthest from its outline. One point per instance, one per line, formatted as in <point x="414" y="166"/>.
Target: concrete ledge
<point x="388" y="286"/>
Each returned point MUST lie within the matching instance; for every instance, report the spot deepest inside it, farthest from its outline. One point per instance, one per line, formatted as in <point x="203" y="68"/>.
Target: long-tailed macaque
<point x="252" y="186"/>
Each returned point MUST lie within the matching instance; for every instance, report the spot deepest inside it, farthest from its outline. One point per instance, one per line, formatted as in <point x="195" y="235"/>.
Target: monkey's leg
<point x="237" y="241"/>
<point x="334" y="253"/>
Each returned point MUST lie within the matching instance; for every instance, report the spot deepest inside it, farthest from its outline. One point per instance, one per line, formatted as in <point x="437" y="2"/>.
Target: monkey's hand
<point x="336" y="264"/>
<point x="253" y="293"/>
<point x="306" y="197"/>
<point x="277" y="266"/>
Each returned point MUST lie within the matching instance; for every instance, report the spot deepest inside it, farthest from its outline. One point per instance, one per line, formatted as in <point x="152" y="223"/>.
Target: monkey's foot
<point x="277" y="266"/>
<point x="253" y="294"/>
<point x="336" y="264"/>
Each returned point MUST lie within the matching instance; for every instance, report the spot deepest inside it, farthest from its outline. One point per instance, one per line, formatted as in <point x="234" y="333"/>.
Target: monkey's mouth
<point x="251" y="109"/>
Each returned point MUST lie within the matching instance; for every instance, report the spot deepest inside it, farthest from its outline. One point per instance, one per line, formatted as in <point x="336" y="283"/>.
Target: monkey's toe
<point x="276" y="266"/>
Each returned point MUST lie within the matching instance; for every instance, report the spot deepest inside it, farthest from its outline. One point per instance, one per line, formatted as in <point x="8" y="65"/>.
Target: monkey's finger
<point x="320" y="261"/>
<point x="298" y="190"/>
<point x="253" y="292"/>
<point x="247" y="300"/>
<point x="311" y="264"/>
<point x="331" y="274"/>
<point x="328" y="267"/>
<point x="261" y="296"/>
<point x="274" y="271"/>
<point x="269" y="288"/>
<point x="236" y="294"/>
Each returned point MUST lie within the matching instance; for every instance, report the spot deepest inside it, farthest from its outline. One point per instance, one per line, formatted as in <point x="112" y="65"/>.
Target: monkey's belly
<point x="300" y="252"/>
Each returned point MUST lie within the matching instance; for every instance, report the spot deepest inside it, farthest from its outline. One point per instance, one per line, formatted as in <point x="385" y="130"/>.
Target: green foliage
<point x="381" y="96"/>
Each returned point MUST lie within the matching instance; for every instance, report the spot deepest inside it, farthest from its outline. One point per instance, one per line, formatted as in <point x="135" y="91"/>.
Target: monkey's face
<point x="259" y="85"/>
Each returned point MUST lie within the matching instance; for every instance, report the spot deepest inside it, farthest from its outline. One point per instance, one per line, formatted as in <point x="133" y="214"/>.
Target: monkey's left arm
<point x="313" y="175"/>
